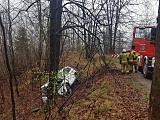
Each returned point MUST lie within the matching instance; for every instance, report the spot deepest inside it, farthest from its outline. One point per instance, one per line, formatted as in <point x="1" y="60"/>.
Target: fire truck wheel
<point x="140" y="69"/>
<point x="145" y="70"/>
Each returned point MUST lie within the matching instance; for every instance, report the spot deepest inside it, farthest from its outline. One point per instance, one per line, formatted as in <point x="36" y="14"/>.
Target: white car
<point x="66" y="77"/>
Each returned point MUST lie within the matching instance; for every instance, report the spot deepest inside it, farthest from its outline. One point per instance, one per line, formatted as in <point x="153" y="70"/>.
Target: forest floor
<point x="114" y="96"/>
<point x="101" y="94"/>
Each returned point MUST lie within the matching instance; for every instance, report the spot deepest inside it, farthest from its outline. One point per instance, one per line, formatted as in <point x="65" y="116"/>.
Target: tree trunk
<point x="110" y="12"/>
<point x="55" y="36"/>
<point x="40" y="34"/>
<point x="9" y="70"/>
<point x="116" y="25"/>
<point x="11" y="49"/>
<point x="55" y="26"/>
<point x="154" y="103"/>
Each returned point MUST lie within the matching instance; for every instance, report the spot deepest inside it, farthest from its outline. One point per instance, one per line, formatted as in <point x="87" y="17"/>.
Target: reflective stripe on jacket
<point x="130" y="57"/>
<point x="135" y="57"/>
<point x="123" y="57"/>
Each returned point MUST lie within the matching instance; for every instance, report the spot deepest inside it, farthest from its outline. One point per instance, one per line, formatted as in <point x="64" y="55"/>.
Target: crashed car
<point x="65" y="79"/>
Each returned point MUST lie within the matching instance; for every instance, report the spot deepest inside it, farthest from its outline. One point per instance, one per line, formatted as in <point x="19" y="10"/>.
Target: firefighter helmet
<point x="124" y="50"/>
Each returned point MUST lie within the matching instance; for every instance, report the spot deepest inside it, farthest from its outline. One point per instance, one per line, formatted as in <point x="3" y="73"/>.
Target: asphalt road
<point x="142" y="82"/>
<point x="138" y="78"/>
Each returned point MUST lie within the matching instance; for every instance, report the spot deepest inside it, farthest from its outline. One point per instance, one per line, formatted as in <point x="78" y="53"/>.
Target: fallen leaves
<point x="121" y="101"/>
<point x="108" y="96"/>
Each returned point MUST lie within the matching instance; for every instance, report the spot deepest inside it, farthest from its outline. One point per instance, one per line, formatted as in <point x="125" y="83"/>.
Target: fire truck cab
<point x="143" y="42"/>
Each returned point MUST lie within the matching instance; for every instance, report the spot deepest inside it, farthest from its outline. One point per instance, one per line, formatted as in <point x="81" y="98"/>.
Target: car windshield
<point x="63" y="72"/>
<point x="142" y="32"/>
<point x="66" y="70"/>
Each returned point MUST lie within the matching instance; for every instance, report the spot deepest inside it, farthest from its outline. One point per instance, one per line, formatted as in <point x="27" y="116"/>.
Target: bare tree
<point x="11" y="48"/>
<point x="10" y="73"/>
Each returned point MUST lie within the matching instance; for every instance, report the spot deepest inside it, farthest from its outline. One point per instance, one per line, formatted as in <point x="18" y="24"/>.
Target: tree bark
<point x="55" y="26"/>
<point x="40" y="33"/>
<point x="11" y="49"/>
<point x="116" y="25"/>
<point x="9" y="69"/>
<point x="154" y="103"/>
<point x="55" y="36"/>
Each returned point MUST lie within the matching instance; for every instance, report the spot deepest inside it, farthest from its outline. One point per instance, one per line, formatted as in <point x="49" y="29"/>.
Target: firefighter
<point x="135" y="60"/>
<point x="130" y="60"/>
<point x="123" y="61"/>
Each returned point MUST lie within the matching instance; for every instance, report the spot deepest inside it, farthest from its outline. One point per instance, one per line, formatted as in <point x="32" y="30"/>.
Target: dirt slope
<point x="107" y="95"/>
<point x="115" y="96"/>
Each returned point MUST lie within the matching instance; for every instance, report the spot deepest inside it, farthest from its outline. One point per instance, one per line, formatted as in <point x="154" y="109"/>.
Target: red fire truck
<point x="143" y="42"/>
